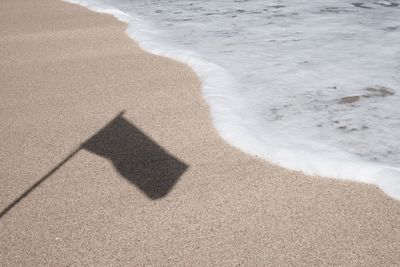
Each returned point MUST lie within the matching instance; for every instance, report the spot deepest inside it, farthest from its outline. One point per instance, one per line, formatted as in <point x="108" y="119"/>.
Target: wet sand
<point x="154" y="185"/>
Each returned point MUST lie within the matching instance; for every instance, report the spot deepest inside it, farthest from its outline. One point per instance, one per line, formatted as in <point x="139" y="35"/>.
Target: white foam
<point x="311" y="86"/>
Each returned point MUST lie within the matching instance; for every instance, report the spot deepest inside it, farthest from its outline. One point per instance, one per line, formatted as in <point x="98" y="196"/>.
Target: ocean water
<point x="310" y="85"/>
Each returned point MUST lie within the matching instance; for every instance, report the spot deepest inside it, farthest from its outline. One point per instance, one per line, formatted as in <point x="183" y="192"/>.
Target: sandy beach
<point x="109" y="157"/>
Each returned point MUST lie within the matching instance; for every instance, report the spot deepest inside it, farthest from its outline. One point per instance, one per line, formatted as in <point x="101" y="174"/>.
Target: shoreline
<point x="329" y="161"/>
<point x="69" y="71"/>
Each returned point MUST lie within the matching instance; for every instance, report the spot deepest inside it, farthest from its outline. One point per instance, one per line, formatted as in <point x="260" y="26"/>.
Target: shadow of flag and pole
<point x="134" y="155"/>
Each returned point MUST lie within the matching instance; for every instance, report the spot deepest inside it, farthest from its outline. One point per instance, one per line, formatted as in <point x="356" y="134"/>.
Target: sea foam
<point x="312" y="86"/>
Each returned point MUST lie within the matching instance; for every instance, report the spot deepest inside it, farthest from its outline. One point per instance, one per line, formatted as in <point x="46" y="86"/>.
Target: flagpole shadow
<point x="35" y="185"/>
<point x="134" y="155"/>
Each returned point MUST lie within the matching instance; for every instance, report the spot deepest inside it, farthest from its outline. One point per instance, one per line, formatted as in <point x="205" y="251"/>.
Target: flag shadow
<point x="137" y="157"/>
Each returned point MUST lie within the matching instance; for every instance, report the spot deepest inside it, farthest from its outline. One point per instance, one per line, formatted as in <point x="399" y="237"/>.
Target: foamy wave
<point x="244" y="123"/>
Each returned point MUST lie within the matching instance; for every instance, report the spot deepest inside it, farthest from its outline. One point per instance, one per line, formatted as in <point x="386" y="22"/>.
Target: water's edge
<point x="215" y="80"/>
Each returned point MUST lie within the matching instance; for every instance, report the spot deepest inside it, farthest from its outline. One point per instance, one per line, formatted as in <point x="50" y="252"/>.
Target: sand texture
<point x="154" y="185"/>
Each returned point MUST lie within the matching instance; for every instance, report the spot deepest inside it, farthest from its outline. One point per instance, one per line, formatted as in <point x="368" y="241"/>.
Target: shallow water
<point x="311" y="85"/>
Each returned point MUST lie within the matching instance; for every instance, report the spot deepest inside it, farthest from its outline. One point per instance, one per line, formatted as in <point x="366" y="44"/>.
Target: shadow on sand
<point x="134" y="155"/>
<point x="137" y="157"/>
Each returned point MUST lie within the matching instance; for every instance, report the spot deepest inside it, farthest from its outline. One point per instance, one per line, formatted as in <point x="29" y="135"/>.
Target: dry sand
<point x="156" y="185"/>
